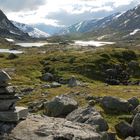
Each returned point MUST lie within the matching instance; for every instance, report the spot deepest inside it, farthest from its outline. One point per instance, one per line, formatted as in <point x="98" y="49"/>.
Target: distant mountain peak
<point x="33" y="32"/>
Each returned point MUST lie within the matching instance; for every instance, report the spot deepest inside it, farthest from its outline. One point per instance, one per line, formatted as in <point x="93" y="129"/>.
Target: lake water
<point x="31" y="44"/>
<point x="10" y="51"/>
<point x="92" y="43"/>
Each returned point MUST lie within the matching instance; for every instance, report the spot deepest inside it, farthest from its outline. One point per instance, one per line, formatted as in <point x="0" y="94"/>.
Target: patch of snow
<point x="9" y="39"/>
<point x="135" y="31"/>
<point x="14" y="33"/>
<point x="31" y="44"/>
<point x="79" y="26"/>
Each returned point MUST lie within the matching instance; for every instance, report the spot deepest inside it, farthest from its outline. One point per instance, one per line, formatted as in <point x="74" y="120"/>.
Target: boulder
<point x="12" y="56"/>
<point x="136" y="124"/>
<point x="48" y="77"/>
<point x="60" y="106"/>
<point x="55" y="85"/>
<point x="36" y="127"/>
<point x="73" y="82"/>
<point x="88" y="115"/>
<point x="7" y="90"/>
<point x="134" y="102"/>
<point x="124" y="129"/>
<point x="115" y="105"/>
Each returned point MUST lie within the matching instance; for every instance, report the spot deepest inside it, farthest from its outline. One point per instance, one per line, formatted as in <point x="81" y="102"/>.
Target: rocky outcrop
<point x="73" y="82"/>
<point x="88" y="115"/>
<point x="60" y="106"/>
<point x="49" y="128"/>
<point x="115" y="105"/>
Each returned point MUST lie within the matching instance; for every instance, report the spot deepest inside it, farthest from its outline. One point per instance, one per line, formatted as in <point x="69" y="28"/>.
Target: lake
<point x="37" y="44"/>
<point x="10" y="51"/>
<point x="92" y="43"/>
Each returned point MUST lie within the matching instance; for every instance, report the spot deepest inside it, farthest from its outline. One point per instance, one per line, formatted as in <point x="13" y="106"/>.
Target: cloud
<point x="62" y="12"/>
<point x="20" y="5"/>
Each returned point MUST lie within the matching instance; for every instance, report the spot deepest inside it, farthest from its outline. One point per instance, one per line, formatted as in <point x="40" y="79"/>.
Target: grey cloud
<point x="20" y="5"/>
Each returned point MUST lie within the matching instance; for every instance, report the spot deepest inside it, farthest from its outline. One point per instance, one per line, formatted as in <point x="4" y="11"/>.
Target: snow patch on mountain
<point x="33" y="32"/>
<point x="135" y="31"/>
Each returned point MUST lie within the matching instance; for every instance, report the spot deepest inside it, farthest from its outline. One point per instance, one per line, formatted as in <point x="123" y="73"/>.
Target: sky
<point x="62" y="13"/>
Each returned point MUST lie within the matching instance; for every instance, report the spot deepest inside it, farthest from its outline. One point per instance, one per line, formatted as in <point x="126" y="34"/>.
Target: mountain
<point x="119" y="26"/>
<point x="7" y="29"/>
<point x="33" y="32"/>
<point x="89" y="25"/>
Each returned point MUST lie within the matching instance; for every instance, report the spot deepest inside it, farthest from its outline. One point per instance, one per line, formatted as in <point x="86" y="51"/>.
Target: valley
<point x="82" y="83"/>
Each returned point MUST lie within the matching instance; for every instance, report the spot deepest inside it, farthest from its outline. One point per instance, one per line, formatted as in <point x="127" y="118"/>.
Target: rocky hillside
<point x="7" y="29"/>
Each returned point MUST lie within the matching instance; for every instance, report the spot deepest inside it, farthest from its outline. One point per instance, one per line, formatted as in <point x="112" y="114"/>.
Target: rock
<point x="91" y="103"/>
<point x="49" y="128"/>
<point x="136" y="110"/>
<point x="14" y="116"/>
<point x="4" y="77"/>
<point x="36" y="106"/>
<point x="111" y="136"/>
<point x="124" y="129"/>
<point x="12" y="56"/>
<point x="89" y="116"/>
<point x="48" y="77"/>
<point x="133" y="138"/>
<point x="115" y="105"/>
<point x="134" y="102"/>
<point x="55" y="85"/>
<point x="136" y="124"/>
<point x="73" y="82"/>
<point x="60" y="106"/>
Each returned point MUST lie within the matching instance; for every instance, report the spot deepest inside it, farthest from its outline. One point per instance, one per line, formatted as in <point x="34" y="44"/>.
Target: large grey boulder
<point x="88" y="115"/>
<point x="60" y="106"/>
<point x="134" y="102"/>
<point x="47" y="77"/>
<point x="115" y="105"/>
<point x="136" y="124"/>
<point x="124" y="129"/>
<point x="49" y="128"/>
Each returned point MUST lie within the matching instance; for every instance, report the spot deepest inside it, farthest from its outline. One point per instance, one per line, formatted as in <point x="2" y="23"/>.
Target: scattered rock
<point x="12" y="56"/>
<point x="49" y="128"/>
<point x="134" y="102"/>
<point x="60" y="106"/>
<point x="89" y="116"/>
<point x="115" y="105"/>
<point x="55" y="85"/>
<point x="91" y="103"/>
<point x="36" y="106"/>
<point x="48" y="77"/>
<point x="73" y="82"/>
<point x="136" y="124"/>
<point x="124" y="129"/>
